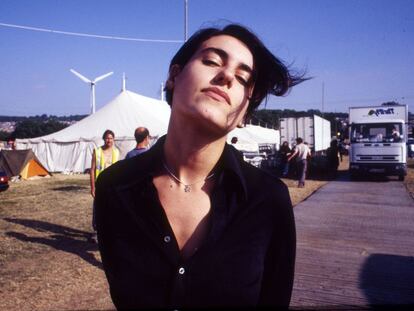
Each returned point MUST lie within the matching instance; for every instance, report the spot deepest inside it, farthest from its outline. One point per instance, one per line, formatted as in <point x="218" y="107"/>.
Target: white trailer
<point x="378" y="138"/>
<point x="314" y="130"/>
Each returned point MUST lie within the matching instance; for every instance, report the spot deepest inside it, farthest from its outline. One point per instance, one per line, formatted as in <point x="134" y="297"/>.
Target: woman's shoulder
<point x="259" y="180"/>
<point x="267" y="193"/>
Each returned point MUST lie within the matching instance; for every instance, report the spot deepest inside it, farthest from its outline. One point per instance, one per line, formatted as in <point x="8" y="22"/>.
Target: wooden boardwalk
<point x="355" y="246"/>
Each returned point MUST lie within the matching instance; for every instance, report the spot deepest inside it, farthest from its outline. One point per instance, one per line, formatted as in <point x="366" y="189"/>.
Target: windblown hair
<point x="270" y="75"/>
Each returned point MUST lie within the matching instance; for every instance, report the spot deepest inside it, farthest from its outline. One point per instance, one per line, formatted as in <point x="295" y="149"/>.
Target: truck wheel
<point x="401" y="178"/>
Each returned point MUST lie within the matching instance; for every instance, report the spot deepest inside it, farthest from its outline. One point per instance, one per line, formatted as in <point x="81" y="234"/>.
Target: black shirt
<point x="246" y="260"/>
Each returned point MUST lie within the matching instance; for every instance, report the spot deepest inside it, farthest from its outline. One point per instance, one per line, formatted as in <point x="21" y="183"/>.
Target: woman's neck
<point x="190" y="155"/>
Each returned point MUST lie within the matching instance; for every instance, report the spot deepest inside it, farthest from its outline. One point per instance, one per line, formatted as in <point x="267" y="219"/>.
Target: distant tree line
<point x="40" y="125"/>
<point x="43" y="117"/>
<point x="35" y="126"/>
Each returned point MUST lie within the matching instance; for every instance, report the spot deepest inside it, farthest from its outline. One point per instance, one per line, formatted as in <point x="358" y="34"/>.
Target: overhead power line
<point x="80" y="34"/>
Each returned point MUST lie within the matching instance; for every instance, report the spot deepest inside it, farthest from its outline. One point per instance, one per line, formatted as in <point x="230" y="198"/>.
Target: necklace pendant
<point x="187" y="188"/>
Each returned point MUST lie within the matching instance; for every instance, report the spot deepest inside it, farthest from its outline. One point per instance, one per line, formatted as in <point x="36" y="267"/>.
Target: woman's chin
<point x="209" y="119"/>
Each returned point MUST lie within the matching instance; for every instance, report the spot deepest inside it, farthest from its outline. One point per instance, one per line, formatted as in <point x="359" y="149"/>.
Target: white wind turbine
<point x="92" y="83"/>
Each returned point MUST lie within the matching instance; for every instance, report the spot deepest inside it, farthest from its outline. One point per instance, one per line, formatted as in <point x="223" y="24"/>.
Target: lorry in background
<point x="314" y="130"/>
<point x="378" y="137"/>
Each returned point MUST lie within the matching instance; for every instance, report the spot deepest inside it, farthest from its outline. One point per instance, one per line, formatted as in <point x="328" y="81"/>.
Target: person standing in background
<point x="142" y="137"/>
<point x="301" y="153"/>
<point x="285" y="152"/>
<point x="102" y="158"/>
<point x="333" y="158"/>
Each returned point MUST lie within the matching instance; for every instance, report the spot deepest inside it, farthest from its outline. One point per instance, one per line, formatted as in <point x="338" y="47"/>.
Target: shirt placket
<point x="171" y="250"/>
<point x="178" y="292"/>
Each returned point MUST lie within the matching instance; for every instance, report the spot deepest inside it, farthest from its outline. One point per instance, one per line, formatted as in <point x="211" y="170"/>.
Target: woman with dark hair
<point x="189" y="224"/>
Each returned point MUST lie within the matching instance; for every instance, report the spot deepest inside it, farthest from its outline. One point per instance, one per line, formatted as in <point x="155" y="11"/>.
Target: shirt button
<point x="181" y="270"/>
<point x="167" y="239"/>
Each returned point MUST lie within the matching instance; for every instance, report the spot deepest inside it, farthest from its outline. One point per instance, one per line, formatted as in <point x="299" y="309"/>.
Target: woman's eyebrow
<point x="223" y="54"/>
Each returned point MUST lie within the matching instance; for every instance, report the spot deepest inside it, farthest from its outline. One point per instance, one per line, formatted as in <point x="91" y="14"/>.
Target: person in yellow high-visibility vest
<point x="102" y="158"/>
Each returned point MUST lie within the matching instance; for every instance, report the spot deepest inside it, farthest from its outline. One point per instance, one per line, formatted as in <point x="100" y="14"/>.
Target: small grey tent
<point x="22" y="163"/>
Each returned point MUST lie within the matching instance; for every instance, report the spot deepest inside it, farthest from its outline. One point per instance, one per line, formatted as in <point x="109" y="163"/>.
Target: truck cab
<point x="378" y="139"/>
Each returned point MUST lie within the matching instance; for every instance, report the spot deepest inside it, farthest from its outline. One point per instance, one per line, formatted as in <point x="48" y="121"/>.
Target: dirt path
<point x="355" y="246"/>
<point x="45" y="257"/>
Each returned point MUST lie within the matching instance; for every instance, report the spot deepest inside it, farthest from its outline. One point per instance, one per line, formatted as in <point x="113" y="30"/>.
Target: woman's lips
<point x="217" y="94"/>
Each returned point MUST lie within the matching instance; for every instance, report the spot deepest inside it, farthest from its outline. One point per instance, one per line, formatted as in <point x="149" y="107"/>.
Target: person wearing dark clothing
<point x="284" y="152"/>
<point x="341" y="150"/>
<point x="333" y="158"/>
<point x="189" y="224"/>
<point x="142" y="138"/>
<point x="246" y="259"/>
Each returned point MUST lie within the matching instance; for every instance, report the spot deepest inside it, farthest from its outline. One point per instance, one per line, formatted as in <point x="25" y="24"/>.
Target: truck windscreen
<point x="376" y="132"/>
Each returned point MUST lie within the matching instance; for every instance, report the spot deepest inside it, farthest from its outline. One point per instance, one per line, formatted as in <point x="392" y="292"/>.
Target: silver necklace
<point x="187" y="187"/>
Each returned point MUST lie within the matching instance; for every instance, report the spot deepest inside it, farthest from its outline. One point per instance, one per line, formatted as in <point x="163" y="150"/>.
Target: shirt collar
<point x="229" y="164"/>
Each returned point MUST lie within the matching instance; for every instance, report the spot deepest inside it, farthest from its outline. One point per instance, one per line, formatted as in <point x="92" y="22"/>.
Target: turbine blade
<point x="84" y="79"/>
<point x="103" y="77"/>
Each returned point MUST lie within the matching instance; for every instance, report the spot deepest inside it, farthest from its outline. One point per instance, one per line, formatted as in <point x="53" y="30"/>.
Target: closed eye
<point x="242" y="80"/>
<point x="210" y="62"/>
<point x="245" y="81"/>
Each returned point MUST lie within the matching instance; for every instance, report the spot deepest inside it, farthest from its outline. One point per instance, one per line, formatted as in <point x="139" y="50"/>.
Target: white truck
<point x="378" y="137"/>
<point x="314" y="130"/>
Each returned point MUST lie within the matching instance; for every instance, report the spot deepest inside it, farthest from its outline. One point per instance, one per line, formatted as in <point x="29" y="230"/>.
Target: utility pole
<point x="323" y="108"/>
<point x="185" y="20"/>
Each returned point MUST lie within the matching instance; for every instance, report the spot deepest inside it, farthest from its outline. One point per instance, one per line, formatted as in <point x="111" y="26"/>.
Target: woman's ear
<point x="174" y="71"/>
<point x="242" y="122"/>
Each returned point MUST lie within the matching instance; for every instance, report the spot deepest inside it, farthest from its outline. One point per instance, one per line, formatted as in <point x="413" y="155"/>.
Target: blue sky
<point x="361" y="50"/>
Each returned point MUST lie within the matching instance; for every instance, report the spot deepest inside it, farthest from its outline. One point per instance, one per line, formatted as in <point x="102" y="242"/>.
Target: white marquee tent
<point x="70" y="150"/>
<point x="251" y="136"/>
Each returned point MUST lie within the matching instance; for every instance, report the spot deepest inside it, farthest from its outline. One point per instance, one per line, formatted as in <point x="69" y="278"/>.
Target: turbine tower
<point x="92" y="83"/>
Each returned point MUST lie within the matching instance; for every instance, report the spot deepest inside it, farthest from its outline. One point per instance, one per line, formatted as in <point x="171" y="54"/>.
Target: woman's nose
<point x="224" y="77"/>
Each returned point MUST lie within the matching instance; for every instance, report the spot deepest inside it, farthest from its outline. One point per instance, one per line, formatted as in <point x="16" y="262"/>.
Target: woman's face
<point x="213" y="88"/>
<point x="109" y="140"/>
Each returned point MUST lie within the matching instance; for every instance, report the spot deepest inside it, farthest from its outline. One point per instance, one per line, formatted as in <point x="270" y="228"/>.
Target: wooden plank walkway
<point x="355" y="246"/>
